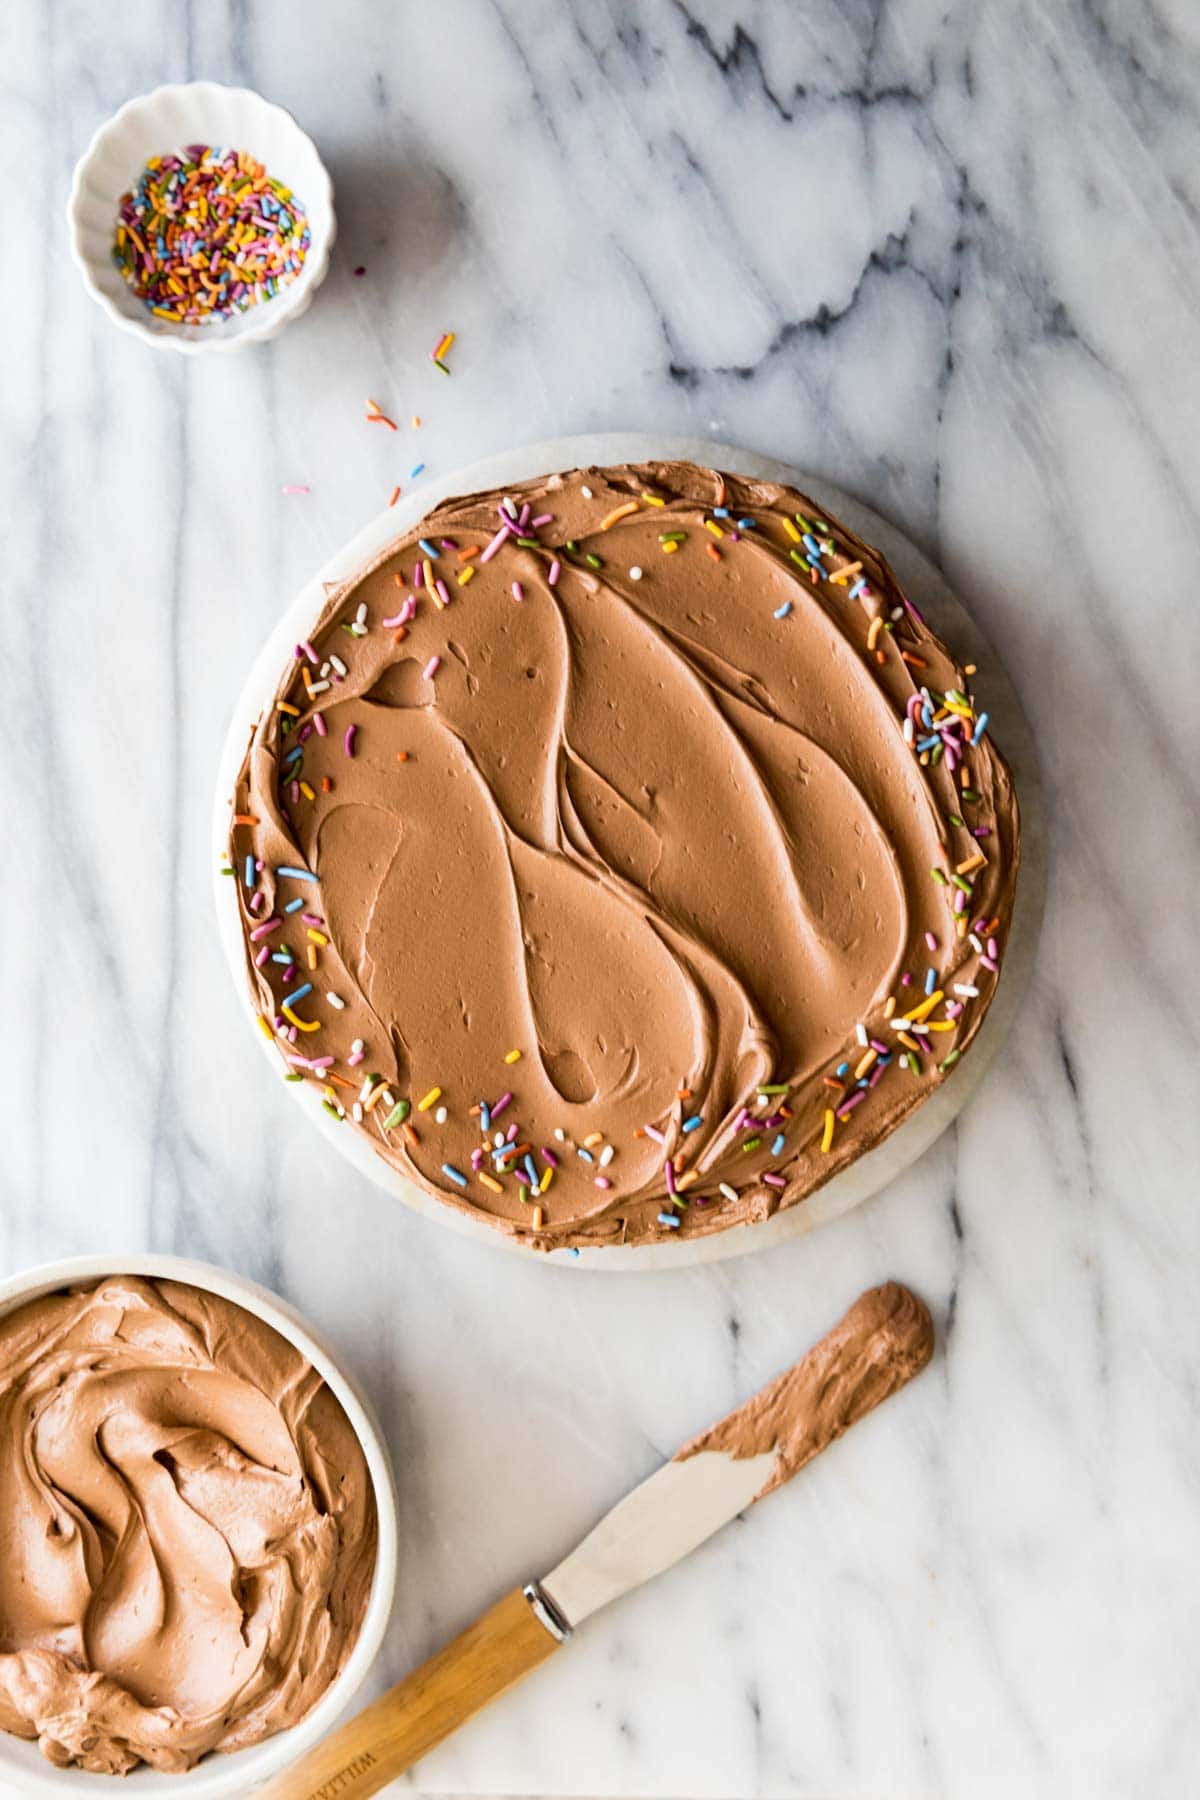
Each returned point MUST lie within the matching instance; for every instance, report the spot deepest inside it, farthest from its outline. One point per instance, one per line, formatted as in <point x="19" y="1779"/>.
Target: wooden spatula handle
<point x="381" y="1742"/>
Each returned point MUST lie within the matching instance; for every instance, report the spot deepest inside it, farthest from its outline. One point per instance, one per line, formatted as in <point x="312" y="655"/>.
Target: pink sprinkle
<point x="554" y="572"/>
<point x="295" y="792"/>
<point x="443" y="592"/>
<point x="953" y="1008"/>
<point x="354" y="1058"/>
<point x="289" y="974"/>
<point x="549" y="1156"/>
<point x="856" y="1099"/>
<point x="929" y="937"/>
<point x="669" y="1173"/>
<point x="879" y="1049"/>
<point x="256" y="900"/>
<point x="311" y="654"/>
<point x="982" y="831"/>
<point x="523" y="520"/>
<point x="602" y="1181"/>
<point x="312" y="918"/>
<point x="319" y="722"/>
<point x="906" y="979"/>
<point x="431" y="667"/>
<point x="477" y="1159"/>
<point x="510" y="1136"/>
<point x="518" y="592"/>
<point x="262" y="956"/>
<point x="652" y="1131"/>
<point x="500" y="1105"/>
<point x="305" y="731"/>
<point x="294" y="487"/>
<point x="988" y="962"/>
<point x="542" y="519"/>
<point x="775" y="1181"/>
<point x="504" y="532"/>
<point x="396" y="619"/>
<point x="993" y="947"/>
<point x="351" y="734"/>
<point x="261" y="931"/>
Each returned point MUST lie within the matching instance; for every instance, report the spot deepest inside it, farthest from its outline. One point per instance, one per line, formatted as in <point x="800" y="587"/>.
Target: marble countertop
<point x="949" y="257"/>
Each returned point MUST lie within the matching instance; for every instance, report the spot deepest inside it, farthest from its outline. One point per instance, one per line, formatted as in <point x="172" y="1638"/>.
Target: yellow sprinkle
<point x="300" y="1024"/>
<point x="416" y="419"/>
<point x="972" y="862"/>
<point x="620" y="512"/>
<point x="791" y="531"/>
<point x="653" y="499"/>
<point x="375" y="1096"/>
<point x="827" y="1134"/>
<point x="287" y="707"/>
<point x="468" y="574"/>
<point x="889" y="1006"/>
<point x="489" y="1181"/>
<point x="865" y="1064"/>
<point x="671" y="548"/>
<point x="312" y="956"/>
<point x="961" y="926"/>
<point x="547" y="1178"/>
<point x="592" y="1139"/>
<point x="318" y="937"/>
<point x="264" y="1027"/>
<point x="512" y="1056"/>
<point x="431" y="1099"/>
<point x="711" y="525"/>
<point x="876" y="627"/>
<point x="686" y="1180"/>
<point x="926" y="1007"/>
<point x="969" y="669"/>
<point x="307" y="791"/>
<point x="538" y="1216"/>
<point x="941" y="1025"/>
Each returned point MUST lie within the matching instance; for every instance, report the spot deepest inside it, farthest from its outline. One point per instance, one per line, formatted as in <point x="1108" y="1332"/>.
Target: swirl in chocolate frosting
<point x="667" y="788"/>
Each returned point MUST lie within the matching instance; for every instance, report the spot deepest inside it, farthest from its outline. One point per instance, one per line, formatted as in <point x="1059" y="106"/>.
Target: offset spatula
<point x="884" y="1340"/>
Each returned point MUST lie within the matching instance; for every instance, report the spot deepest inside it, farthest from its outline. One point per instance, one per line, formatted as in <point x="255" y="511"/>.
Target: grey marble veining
<point x="949" y="256"/>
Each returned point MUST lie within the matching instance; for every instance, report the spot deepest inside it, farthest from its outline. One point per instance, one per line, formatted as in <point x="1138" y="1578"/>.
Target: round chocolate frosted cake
<point x="623" y="854"/>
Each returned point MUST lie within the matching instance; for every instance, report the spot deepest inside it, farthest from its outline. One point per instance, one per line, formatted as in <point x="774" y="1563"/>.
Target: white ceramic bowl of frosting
<point x="24" y="1771"/>
<point x="195" y="112"/>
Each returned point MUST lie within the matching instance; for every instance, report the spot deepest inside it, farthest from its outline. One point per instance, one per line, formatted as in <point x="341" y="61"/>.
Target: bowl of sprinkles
<point x="201" y="217"/>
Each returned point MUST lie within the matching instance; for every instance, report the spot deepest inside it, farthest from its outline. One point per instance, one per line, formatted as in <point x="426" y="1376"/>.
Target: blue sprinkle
<point x="294" y="999"/>
<point x="295" y="874"/>
<point x="671" y="1219"/>
<point x="981" y="725"/>
<point x="694" y="1123"/>
<point x="720" y="512"/>
<point x="573" y="1252"/>
<point x="428" y="548"/>
<point x="781" y="612"/>
<point x="860" y="587"/>
<point x="283" y="956"/>
<point x="811" y="544"/>
<point x="413" y="473"/>
<point x="842" y="1069"/>
<point x="485" y="1115"/>
<point x="777" y="1146"/>
<point x="293" y="906"/>
<point x="454" y="1174"/>
<point x="816" y="563"/>
<point x="249" y="870"/>
<point x="927" y="743"/>
<point x="294" y="752"/>
<point x="930" y="980"/>
<point x="586" y="1154"/>
<point x="531" y="1171"/>
<point x="747" y="524"/>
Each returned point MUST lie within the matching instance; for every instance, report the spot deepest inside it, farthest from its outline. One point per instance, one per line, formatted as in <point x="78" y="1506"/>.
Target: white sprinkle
<point x="968" y="992"/>
<point x="586" y="492"/>
<point x="974" y="942"/>
<point x="364" y="1093"/>
<point x="319" y="687"/>
<point x="324" y="670"/>
<point x="441" y="1115"/>
<point x="860" y="1032"/>
<point x="356" y="1046"/>
<point x="499" y="1140"/>
<point x="360" y="617"/>
<point x="635" y="574"/>
<point x="336" y="1001"/>
<point x="335" y="662"/>
<point x="606" y="1155"/>
<point x="897" y="612"/>
<point x="357" y="1113"/>
<point x="729" y="1193"/>
<point x="560" y="1134"/>
<point x="909" y="731"/>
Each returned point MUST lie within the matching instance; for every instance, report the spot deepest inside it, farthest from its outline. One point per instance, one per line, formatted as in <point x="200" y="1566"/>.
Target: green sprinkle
<point x="331" y="1108"/>
<point x="439" y="364"/>
<point x="572" y="544"/>
<point x="293" y="1076"/>
<point x="955" y="820"/>
<point x="970" y="794"/>
<point x="960" y="881"/>
<point x="225" y="869"/>
<point x="797" y="558"/>
<point x="938" y="877"/>
<point x="529" y="543"/>
<point x="397" y="1115"/>
<point x="777" y="1087"/>
<point x="751" y="1143"/>
<point x="593" y="561"/>
<point x="950" y="1060"/>
<point x="672" y="537"/>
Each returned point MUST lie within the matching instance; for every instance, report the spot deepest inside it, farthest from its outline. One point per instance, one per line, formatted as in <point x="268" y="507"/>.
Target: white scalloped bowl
<point x="24" y="1771"/>
<point x="196" y="112"/>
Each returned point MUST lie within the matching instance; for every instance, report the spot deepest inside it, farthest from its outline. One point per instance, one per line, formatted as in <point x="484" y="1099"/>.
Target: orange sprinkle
<point x="398" y="578"/>
<point x="400" y="633"/>
<point x="285" y="706"/>
<point x="245" y="819"/>
<point x="378" y="418"/>
<point x="880" y="658"/>
<point x="619" y="512"/>
<point x="410" y="1134"/>
<point x="342" y="1081"/>
<point x="470" y="551"/>
<point x="713" y="552"/>
<point x="972" y="862"/>
<point x="395" y="496"/>
<point x="917" y="662"/>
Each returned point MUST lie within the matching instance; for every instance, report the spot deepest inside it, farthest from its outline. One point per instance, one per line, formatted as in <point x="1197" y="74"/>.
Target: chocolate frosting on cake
<point x="653" y="776"/>
<point x="189" y="1527"/>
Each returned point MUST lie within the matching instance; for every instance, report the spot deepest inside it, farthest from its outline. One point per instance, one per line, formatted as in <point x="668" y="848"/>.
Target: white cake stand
<point x="947" y="617"/>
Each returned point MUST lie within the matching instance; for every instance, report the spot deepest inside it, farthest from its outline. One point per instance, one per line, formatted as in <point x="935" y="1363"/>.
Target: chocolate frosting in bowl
<point x="676" y="808"/>
<point x="189" y="1527"/>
